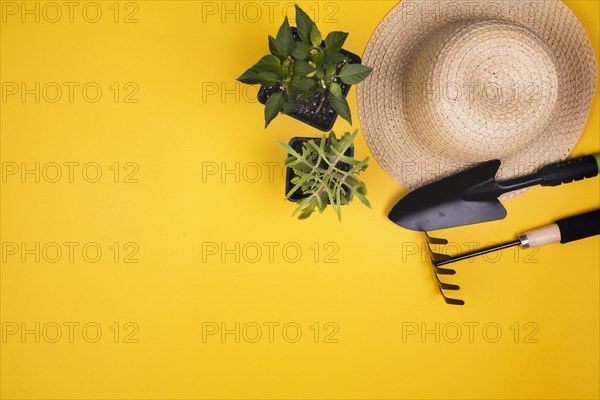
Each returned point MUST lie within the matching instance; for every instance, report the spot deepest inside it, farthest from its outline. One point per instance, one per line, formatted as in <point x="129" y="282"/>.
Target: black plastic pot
<point x="296" y="144"/>
<point x="263" y="95"/>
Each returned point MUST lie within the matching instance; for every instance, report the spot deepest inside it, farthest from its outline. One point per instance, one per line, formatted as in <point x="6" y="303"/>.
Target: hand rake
<point x="564" y="231"/>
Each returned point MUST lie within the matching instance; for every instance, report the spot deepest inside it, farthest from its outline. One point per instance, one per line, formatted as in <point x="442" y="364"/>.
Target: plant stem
<point x="320" y="104"/>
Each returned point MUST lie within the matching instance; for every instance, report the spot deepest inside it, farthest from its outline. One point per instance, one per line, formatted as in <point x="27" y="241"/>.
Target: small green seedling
<point x="300" y="69"/>
<point x="325" y="175"/>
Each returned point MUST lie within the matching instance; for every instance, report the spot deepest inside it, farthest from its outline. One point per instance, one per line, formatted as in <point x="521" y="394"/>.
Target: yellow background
<point x="177" y="129"/>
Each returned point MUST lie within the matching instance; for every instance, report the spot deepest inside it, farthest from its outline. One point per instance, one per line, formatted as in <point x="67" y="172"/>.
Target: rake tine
<point x="447" y="286"/>
<point x="442" y="271"/>
<point x="437" y="258"/>
<point x="451" y="300"/>
<point x="435" y="240"/>
<point x="444" y="285"/>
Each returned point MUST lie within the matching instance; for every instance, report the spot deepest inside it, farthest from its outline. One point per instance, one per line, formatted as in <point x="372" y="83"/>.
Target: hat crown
<point x="480" y="90"/>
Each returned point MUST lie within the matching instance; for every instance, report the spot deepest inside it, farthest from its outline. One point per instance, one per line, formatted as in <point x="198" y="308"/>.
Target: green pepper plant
<point x="302" y="67"/>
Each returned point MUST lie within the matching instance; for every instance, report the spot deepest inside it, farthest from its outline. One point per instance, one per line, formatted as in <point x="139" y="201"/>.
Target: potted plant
<point x="321" y="172"/>
<point x="305" y="76"/>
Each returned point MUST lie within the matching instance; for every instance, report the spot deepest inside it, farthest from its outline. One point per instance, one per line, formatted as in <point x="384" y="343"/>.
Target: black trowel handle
<point x="569" y="170"/>
<point x="566" y="171"/>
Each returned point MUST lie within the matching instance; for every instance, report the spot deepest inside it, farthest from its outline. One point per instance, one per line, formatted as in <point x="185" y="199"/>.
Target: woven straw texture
<point x="457" y="82"/>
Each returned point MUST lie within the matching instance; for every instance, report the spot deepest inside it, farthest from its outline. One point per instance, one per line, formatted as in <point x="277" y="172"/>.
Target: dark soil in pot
<point x="296" y="143"/>
<point x="316" y="112"/>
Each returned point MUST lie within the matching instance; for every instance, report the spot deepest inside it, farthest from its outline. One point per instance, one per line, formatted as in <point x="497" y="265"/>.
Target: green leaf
<point x="307" y="212"/>
<point x="272" y="107"/>
<point x="348" y="139"/>
<point x="343" y="158"/>
<point x="249" y="77"/>
<point x="290" y="94"/>
<point x="307" y="206"/>
<point x="318" y="59"/>
<point x="323" y="197"/>
<point x="337" y="206"/>
<point x="308" y="95"/>
<point x="290" y="161"/>
<point x="285" y="39"/>
<point x="269" y="63"/>
<point x="254" y="76"/>
<point x="288" y="149"/>
<point x="335" y="41"/>
<point x="275" y="50"/>
<point x="300" y="205"/>
<point x="304" y="25"/>
<point x="346" y="142"/>
<point x="302" y="68"/>
<point x="330" y="72"/>
<point x="363" y="200"/>
<point x="304" y="85"/>
<point x="262" y="70"/>
<point x="340" y="105"/>
<point x="320" y="150"/>
<point x="354" y="73"/>
<point x="288" y="107"/>
<point x="344" y="197"/>
<point x="336" y="90"/>
<point x="319" y="203"/>
<point x="267" y="78"/>
<point x="297" y="185"/>
<point x="361" y="166"/>
<point x="300" y="51"/>
<point x="315" y="36"/>
<point x="281" y="45"/>
<point x="334" y="58"/>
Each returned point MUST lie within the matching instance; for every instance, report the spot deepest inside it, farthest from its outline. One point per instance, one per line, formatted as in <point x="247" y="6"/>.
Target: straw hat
<point x="457" y="82"/>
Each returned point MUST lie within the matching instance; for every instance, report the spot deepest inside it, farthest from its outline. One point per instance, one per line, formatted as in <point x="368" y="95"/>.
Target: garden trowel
<point x="471" y="196"/>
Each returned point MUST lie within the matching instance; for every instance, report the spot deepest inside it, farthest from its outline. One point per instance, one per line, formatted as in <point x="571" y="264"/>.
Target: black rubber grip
<point x="579" y="227"/>
<point x="568" y="171"/>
